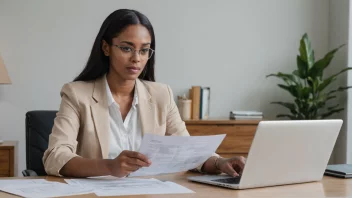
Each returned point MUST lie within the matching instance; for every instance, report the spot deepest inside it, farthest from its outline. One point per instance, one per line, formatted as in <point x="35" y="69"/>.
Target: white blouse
<point x="124" y="135"/>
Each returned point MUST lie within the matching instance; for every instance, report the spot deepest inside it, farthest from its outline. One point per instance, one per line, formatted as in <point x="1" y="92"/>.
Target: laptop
<point x="283" y="152"/>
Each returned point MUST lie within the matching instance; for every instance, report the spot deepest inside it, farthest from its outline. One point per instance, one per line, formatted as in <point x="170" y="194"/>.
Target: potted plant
<point x="308" y="85"/>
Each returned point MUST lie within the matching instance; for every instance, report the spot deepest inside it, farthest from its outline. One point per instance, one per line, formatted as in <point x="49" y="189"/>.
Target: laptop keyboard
<point x="233" y="180"/>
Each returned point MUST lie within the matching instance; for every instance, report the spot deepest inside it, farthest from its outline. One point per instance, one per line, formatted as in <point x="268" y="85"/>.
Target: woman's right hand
<point x="128" y="162"/>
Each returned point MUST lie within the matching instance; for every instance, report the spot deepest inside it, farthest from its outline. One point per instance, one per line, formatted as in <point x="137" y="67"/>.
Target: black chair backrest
<point x="38" y="128"/>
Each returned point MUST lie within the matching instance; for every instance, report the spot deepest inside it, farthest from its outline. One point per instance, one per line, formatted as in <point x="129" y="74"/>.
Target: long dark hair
<point x="114" y="24"/>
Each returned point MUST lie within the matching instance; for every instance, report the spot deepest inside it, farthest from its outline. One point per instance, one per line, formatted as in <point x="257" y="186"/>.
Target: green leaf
<point x="338" y="90"/>
<point x="333" y="107"/>
<point x="302" y="68"/>
<point x="291" y="89"/>
<point x="319" y="105"/>
<point x="297" y="77"/>
<point x="290" y="106"/>
<point x="320" y="101"/>
<point x="316" y="84"/>
<point x="330" y="97"/>
<point x="286" y="115"/>
<point x="305" y="92"/>
<point x="306" y="52"/>
<point x="325" y="83"/>
<point x="318" y="68"/>
<point x="329" y="113"/>
<point x="289" y="78"/>
<point x="301" y="112"/>
<point x="296" y="73"/>
<point x="342" y="71"/>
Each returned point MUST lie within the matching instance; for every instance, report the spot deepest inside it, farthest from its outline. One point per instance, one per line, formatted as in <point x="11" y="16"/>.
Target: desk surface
<point x="328" y="187"/>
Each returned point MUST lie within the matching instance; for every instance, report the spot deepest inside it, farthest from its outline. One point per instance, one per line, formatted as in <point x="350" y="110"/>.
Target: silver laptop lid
<point x="286" y="152"/>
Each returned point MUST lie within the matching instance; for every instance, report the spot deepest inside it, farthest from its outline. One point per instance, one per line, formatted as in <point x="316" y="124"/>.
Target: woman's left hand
<point x="232" y="166"/>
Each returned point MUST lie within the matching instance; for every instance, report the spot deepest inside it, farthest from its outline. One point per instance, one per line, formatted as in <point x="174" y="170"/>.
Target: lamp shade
<point x="4" y="76"/>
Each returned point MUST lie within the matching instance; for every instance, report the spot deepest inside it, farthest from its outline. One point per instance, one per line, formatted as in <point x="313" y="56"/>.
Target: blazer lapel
<point x="100" y="114"/>
<point x="146" y="108"/>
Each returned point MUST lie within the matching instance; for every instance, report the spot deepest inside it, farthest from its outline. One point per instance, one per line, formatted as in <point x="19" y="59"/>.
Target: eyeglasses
<point x="144" y="53"/>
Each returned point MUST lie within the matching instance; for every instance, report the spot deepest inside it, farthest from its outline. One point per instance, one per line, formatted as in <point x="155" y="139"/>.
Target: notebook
<point x="339" y="170"/>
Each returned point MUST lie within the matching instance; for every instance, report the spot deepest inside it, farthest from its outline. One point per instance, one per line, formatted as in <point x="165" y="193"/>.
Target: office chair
<point x="38" y="128"/>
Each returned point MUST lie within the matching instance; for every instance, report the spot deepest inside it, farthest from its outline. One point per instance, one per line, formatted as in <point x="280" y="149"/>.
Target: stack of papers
<point x="110" y="186"/>
<point x="246" y="115"/>
<point x="40" y="188"/>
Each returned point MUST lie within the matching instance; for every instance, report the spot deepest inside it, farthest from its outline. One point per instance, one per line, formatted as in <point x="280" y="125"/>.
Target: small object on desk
<point x="339" y="170"/>
<point x="185" y="107"/>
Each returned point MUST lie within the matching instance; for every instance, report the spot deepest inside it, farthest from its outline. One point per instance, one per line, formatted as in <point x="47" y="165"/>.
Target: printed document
<point x="128" y="186"/>
<point x="171" y="154"/>
<point x="47" y="189"/>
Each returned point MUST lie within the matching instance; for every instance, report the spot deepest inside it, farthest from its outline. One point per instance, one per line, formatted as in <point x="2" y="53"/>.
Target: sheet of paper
<point x="52" y="189"/>
<point x="150" y="188"/>
<point x="128" y="186"/>
<point x="108" y="181"/>
<point x="22" y="182"/>
<point x="170" y="154"/>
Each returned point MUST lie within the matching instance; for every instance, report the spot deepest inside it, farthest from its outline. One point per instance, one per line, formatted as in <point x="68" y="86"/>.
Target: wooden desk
<point x="7" y="158"/>
<point x="328" y="187"/>
<point x="239" y="134"/>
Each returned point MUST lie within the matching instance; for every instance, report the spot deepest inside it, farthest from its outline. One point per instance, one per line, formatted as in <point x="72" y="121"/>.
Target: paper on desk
<point x="107" y="181"/>
<point x="52" y="189"/>
<point x="128" y="186"/>
<point x="156" y="187"/>
<point x="170" y="154"/>
<point x="22" y="182"/>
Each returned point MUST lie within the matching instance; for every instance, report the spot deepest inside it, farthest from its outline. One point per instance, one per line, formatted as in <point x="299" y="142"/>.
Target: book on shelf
<point x="195" y="101"/>
<point x="204" y="103"/>
<point x="200" y="96"/>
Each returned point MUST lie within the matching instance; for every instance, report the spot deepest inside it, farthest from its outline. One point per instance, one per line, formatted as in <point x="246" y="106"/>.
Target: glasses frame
<point x="134" y="50"/>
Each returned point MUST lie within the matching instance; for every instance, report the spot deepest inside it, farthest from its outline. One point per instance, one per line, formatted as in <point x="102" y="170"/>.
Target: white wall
<point x="349" y="103"/>
<point x="338" y="35"/>
<point x="229" y="45"/>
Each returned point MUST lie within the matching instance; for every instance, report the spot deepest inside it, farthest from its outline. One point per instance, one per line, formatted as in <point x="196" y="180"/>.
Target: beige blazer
<point x="81" y="127"/>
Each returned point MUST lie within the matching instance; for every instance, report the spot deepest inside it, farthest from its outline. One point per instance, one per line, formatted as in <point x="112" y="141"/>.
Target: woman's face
<point x="129" y="52"/>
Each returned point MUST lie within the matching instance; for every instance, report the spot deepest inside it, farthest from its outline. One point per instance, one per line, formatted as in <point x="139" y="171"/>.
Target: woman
<point x="113" y="102"/>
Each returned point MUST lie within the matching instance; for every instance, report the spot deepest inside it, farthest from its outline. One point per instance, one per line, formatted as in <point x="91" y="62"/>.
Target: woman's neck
<point x="119" y="86"/>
